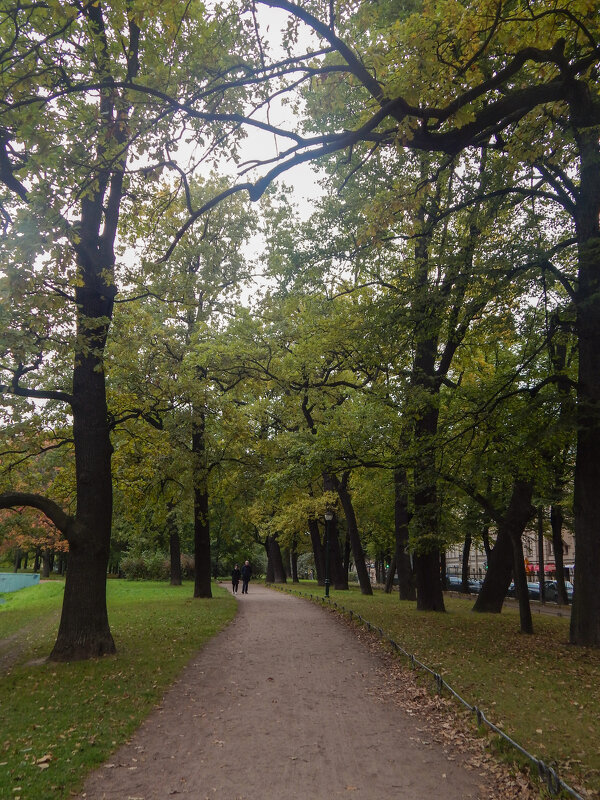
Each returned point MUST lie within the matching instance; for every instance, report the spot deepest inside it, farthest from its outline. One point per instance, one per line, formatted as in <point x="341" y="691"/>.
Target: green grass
<point x="543" y="692"/>
<point x="61" y="720"/>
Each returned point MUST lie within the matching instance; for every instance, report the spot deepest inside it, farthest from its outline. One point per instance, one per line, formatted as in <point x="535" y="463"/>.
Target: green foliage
<point x="153" y="566"/>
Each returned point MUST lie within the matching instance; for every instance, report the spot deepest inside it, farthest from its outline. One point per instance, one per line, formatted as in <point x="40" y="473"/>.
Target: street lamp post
<point x="328" y="518"/>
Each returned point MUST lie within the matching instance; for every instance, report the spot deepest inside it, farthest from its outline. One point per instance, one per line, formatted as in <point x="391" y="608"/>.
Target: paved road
<point x="285" y="703"/>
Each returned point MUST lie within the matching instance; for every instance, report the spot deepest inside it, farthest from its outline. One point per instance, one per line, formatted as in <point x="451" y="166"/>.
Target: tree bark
<point x="174" y="548"/>
<point x="46" y="563"/>
<point x="294" y="559"/>
<point x="521" y="582"/>
<point x="276" y="560"/>
<point x="318" y="552"/>
<point x="541" y="557"/>
<point x="406" y="585"/>
<point x="338" y="570"/>
<point x="389" y="578"/>
<point x="270" y="576"/>
<point x="353" y="534"/>
<point x="585" y="612"/>
<point x="501" y="559"/>
<point x="202" y="572"/>
<point x="84" y="631"/>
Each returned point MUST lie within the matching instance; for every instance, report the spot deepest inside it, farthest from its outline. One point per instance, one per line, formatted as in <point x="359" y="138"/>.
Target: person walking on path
<point x="246" y="575"/>
<point x="235" y="578"/>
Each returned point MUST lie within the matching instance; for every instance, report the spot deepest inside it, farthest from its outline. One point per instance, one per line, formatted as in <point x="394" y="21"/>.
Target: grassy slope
<point x="60" y="720"/>
<point x="543" y="692"/>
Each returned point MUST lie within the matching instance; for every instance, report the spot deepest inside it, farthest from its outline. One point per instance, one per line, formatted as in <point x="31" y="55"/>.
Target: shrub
<point x="153" y="565"/>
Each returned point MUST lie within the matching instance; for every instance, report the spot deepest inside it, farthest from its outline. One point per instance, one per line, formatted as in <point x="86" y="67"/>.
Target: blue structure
<point x="13" y="581"/>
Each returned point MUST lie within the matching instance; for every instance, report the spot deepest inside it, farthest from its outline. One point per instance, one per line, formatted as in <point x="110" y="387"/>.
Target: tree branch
<point x="65" y="523"/>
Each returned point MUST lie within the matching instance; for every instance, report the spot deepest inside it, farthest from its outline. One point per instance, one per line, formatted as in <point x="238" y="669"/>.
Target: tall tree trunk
<point x="501" y="559"/>
<point x="276" y="560"/>
<point x="202" y="580"/>
<point x="318" y="552"/>
<point x="17" y="560"/>
<point x="485" y="538"/>
<point x="585" y="613"/>
<point x="174" y="547"/>
<point x="46" y="563"/>
<point x="541" y="558"/>
<point x="353" y="535"/>
<point x="270" y="576"/>
<point x="84" y="631"/>
<point x="37" y="561"/>
<point x="429" y="584"/>
<point x="294" y="559"/>
<point x="406" y="585"/>
<point x="521" y="582"/>
<point x="286" y="557"/>
<point x="337" y="568"/>
<point x="202" y="565"/>
<point x="389" y="578"/>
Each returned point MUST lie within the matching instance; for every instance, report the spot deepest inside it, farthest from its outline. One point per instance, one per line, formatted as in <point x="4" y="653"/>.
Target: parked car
<point x="453" y="582"/>
<point x="475" y="585"/>
<point x="533" y="590"/>
<point x="551" y="591"/>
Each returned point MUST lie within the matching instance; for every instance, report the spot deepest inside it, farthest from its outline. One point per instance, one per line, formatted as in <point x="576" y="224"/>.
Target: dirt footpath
<point x="288" y="702"/>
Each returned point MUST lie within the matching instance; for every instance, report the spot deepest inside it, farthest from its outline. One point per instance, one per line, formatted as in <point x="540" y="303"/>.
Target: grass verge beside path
<point x="61" y="720"/>
<point x="543" y="692"/>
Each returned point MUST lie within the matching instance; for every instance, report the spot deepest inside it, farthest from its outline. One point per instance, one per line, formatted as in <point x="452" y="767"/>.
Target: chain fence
<point x="547" y="774"/>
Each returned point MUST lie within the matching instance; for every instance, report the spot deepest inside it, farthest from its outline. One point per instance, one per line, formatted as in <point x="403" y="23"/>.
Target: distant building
<point x="478" y="558"/>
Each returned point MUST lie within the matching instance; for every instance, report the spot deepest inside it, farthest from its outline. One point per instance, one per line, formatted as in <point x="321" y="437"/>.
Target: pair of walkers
<point x="245" y="573"/>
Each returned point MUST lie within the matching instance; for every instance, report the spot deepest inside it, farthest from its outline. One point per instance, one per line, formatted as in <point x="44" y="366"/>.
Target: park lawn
<point x="61" y="720"/>
<point x="542" y="692"/>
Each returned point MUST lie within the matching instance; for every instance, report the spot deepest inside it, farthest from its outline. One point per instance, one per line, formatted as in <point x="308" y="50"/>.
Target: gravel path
<point x="287" y="702"/>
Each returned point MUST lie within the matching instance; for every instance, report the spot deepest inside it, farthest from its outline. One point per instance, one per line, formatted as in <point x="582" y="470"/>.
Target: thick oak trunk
<point x="338" y="571"/>
<point x="202" y="582"/>
<point x="585" y="613"/>
<point x="498" y="576"/>
<point x="406" y="584"/>
<point x="390" y="575"/>
<point x="353" y="535"/>
<point x="276" y="560"/>
<point x="294" y="560"/>
<point x="318" y="553"/>
<point x="520" y="577"/>
<point x="84" y="630"/>
<point x="507" y="553"/>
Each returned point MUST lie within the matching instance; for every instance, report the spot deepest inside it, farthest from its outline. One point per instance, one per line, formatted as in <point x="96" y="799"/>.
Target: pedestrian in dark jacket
<point x="235" y="578"/>
<point x="246" y="575"/>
